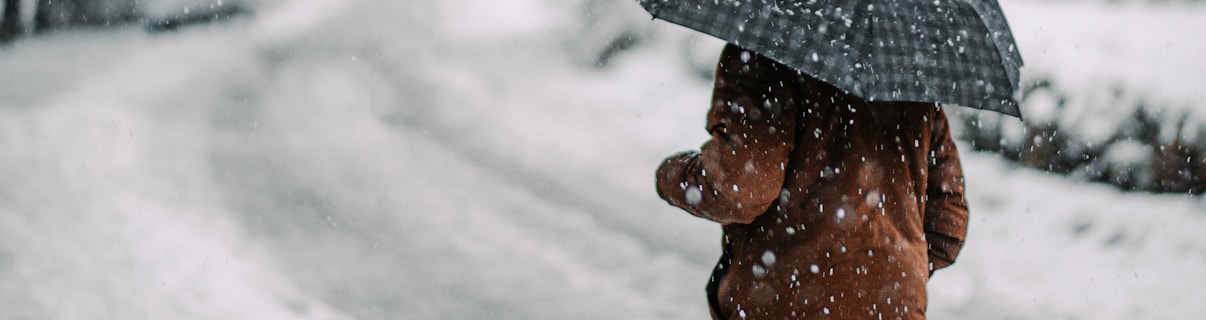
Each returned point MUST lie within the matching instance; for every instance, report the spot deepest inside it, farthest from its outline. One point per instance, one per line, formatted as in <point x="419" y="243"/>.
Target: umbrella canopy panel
<point x="949" y="51"/>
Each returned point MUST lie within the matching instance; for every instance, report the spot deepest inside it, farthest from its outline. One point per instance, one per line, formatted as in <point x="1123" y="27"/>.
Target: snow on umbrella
<point x="948" y="51"/>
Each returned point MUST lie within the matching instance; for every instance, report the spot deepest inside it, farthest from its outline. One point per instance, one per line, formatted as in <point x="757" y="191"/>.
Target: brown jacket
<point x="830" y="205"/>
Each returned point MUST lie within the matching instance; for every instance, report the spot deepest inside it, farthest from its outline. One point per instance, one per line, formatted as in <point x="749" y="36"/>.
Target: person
<point x="831" y="206"/>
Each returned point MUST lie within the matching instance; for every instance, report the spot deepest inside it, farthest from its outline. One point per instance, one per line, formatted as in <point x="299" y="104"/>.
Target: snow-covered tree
<point x="10" y="23"/>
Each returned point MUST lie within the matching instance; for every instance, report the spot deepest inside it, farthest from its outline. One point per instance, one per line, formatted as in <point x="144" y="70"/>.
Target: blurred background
<point x="461" y="159"/>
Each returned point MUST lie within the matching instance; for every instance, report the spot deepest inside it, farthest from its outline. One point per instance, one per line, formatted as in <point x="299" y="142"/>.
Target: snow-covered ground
<point x="458" y="160"/>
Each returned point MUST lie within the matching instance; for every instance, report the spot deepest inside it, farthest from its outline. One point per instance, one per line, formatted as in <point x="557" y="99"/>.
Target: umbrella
<point x="948" y="51"/>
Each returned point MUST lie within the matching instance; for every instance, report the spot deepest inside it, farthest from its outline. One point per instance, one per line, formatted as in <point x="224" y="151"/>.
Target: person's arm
<point x="738" y="173"/>
<point x="945" y="207"/>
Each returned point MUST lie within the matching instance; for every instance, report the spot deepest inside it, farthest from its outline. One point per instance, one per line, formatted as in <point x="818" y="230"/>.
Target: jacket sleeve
<point x="738" y="173"/>
<point x="946" y="213"/>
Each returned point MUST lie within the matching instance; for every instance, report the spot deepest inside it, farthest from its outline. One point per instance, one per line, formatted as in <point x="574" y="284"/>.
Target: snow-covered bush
<point x="1104" y="101"/>
<point x="1104" y="136"/>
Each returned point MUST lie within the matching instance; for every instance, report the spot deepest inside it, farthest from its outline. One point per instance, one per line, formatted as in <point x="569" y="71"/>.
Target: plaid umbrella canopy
<point x="948" y="51"/>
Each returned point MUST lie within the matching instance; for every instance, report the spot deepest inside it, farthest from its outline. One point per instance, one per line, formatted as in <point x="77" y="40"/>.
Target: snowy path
<point x="279" y="170"/>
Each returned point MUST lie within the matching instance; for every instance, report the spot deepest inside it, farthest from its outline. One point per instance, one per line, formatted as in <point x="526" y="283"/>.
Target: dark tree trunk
<point x="48" y="15"/>
<point x="10" y="25"/>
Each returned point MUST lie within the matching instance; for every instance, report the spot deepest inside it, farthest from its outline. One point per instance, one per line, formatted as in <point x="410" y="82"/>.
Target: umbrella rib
<point x="1006" y="57"/>
<point x="866" y="60"/>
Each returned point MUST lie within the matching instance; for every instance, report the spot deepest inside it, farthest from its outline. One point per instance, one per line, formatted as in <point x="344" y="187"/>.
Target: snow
<point x="1111" y="59"/>
<point x="375" y="159"/>
<point x="1047" y="249"/>
<point x="1128" y="153"/>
